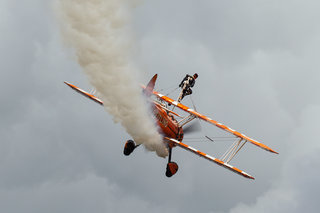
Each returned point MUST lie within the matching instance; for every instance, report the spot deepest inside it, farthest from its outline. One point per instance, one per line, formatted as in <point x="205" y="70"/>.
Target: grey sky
<point x="258" y="72"/>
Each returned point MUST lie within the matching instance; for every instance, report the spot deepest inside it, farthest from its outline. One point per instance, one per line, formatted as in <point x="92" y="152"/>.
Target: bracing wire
<point x="169" y="88"/>
<point x="207" y="138"/>
<point x="172" y="91"/>
<point x="204" y="139"/>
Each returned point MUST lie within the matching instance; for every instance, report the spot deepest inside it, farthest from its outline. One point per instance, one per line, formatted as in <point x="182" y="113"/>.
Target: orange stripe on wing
<point x="219" y="161"/>
<point x="201" y="153"/>
<point x="238" y="170"/>
<point x="184" y="145"/>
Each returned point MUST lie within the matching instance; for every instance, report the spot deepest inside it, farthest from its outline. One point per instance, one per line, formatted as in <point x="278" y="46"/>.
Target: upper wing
<point x="82" y="92"/>
<point x="209" y="120"/>
<point x="210" y="158"/>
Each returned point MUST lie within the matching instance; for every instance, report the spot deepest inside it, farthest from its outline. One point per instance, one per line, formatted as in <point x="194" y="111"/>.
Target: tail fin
<point x="150" y="86"/>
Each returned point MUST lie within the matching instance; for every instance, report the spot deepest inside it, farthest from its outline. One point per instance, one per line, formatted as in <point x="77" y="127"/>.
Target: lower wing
<point x="208" y="157"/>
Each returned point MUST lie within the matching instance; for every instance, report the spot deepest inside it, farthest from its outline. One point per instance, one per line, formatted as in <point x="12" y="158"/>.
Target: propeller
<point x="194" y="127"/>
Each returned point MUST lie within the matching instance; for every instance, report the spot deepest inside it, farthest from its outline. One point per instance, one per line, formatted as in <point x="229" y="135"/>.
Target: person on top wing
<point x="186" y="85"/>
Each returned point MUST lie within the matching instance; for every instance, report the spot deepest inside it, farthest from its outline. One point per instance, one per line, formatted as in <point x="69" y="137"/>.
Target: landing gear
<point x="129" y="147"/>
<point x="172" y="167"/>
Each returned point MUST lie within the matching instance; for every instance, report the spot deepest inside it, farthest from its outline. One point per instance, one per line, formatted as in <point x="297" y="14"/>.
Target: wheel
<point x="172" y="169"/>
<point x="129" y="147"/>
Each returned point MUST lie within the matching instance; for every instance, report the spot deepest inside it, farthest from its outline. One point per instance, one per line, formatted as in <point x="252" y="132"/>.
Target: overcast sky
<point x="258" y="64"/>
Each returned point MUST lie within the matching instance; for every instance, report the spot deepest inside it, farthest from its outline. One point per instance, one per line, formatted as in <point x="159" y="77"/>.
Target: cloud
<point x="82" y="195"/>
<point x="296" y="188"/>
<point x="258" y="72"/>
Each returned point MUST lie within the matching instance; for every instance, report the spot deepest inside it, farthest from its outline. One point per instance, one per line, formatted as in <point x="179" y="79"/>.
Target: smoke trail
<point x="98" y="30"/>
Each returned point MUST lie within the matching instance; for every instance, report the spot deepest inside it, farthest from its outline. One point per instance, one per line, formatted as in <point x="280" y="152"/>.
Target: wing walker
<point x="173" y="126"/>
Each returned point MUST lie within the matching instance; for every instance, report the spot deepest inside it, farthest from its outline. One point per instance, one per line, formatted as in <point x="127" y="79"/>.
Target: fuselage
<point x="169" y="126"/>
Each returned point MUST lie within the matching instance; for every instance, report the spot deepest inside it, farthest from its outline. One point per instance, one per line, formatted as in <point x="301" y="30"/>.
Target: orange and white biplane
<point x="172" y="129"/>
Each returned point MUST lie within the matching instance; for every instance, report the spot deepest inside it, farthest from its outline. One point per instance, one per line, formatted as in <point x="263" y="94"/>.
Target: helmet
<point x="195" y="75"/>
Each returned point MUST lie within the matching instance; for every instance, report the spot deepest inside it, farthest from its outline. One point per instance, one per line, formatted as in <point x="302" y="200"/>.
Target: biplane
<point x="172" y="125"/>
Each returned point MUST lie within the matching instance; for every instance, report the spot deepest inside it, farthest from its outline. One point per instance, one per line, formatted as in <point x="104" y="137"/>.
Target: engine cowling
<point x="129" y="147"/>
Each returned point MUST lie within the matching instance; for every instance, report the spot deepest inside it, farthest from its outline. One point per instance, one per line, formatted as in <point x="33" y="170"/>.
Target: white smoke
<point x="99" y="32"/>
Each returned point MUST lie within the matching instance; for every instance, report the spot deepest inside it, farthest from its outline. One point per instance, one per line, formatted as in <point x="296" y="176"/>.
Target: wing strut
<point x="233" y="150"/>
